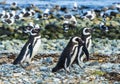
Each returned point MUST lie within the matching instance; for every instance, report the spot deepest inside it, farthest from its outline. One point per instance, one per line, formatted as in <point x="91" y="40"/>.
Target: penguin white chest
<point x="88" y="43"/>
<point x="36" y="47"/>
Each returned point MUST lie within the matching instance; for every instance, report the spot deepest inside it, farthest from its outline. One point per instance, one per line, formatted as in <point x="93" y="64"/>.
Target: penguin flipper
<point x="30" y="50"/>
<point x="22" y="56"/>
<point x="86" y="52"/>
<point x="67" y="63"/>
<point x="16" y="62"/>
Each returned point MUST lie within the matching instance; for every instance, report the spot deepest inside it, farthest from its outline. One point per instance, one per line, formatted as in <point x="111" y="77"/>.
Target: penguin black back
<point x="27" y="46"/>
<point x="27" y="51"/>
<point x="67" y="53"/>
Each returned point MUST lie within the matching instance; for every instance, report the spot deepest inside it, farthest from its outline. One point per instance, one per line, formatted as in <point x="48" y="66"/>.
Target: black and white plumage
<point x="46" y="14"/>
<point x="2" y="14"/>
<point x="31" y="47"/>
<point x="70" y="22"/>
<point x="18" y="16"/>
<point x="66" y="26"/>
<point x="89" y="15"/>
<point x="12" y="14"/>
<point x="9" y="21"/>
<point x="75" y="6"/>
<point x="103" y="27"/>
<point x="14" y="6"/>
<point x="7" y="15"/>
<point x="69" y="54"/>
<point x="28" y="13"/>
<point x="117" y="5"/>
<point x="86" y="37"/>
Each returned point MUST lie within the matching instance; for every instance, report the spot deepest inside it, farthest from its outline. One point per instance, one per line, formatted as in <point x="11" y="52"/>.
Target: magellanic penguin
<point x="69" y="22"/>
<point x="89" y="15"/>
<point x="31" y="47"/>
<point x="86" y="37"/>
<point x="69" y="54"/>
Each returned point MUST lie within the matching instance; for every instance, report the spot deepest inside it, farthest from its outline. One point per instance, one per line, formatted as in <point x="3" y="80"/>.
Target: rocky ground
<point x="102" y="68"/>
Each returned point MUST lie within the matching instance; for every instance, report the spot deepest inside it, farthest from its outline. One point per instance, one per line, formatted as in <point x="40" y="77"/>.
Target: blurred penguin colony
<point x="61" y="20"/>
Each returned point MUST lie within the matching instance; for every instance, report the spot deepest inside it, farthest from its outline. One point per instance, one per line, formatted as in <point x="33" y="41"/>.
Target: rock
<point x="47" y="60"/>
<point x="17" y="74"/>
<point x="92" y="63"/>
<point x="44" y="68"/>
<point x="1" y="46"/>
<point x="56" y="80"/>
<point x="6" y="82"/>
<point x="38" y="81"/>
<point x="108" y="67"/>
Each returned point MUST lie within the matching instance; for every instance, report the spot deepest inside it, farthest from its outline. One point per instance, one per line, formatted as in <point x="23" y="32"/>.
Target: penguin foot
<point x="24" y="65"/>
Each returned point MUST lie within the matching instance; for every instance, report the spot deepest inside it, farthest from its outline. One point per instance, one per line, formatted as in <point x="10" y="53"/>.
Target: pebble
<point x="42" y="68"/>
<point x="103" y="46"/>
<point x="14" y="74"/>
<point x="47" y="60"/>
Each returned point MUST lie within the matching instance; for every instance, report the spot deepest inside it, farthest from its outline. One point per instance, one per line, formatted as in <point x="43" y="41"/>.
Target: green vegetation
<point x="98" y="72"/>
<point x="54" y="29"/>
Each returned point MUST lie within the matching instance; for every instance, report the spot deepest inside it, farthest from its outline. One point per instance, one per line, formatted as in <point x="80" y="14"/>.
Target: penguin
<point x="7" y="15"/>
<point x="14" y="6"/>
<point x="75" y="6"/>
<point x="103" y="27"/>
<point x="12" y="14"/>
<point x="18" y="16"/>
<point x="31" y="47"/>
<point x="86" y="37"/>
<point x="89" y="14"/>
<point x="46" y="14"/>
<point x="9" y="21"/>
<point x="69" y="54"/>
<point x="69" y="22"/>
<point x="66" y="26"/>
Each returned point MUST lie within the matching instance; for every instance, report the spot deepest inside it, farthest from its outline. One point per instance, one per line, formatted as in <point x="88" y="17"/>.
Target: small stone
<point x="42" y="68"/>
<point x="17" y="74"/>
<point x="38" y="81"/>
<point x="1" y="82"/>
<point x="47" y="60"/>
<point x="56" y="80"/>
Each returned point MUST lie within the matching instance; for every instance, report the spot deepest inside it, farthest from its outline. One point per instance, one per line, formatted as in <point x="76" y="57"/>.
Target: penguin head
<point x="35" y="30"/>
<point x="66" y="26"/>
<point x="32" y="29"/>
<point x="87" y="31"/>
<point x="45" y="16"/>
<point x="77" y="40"/>
<point x="29" y="27"/>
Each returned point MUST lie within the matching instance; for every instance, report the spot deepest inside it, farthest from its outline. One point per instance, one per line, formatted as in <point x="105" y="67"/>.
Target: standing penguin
<point x="69" y="54"/>
<point x="31" y="47"/>
<point x="86" y="37"/>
